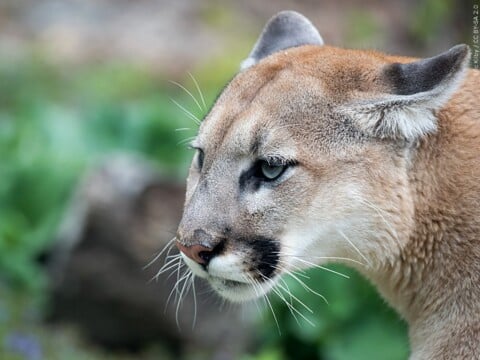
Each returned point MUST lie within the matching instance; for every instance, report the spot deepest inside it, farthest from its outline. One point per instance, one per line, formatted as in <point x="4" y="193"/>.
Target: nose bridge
<point x="207" y="213"/>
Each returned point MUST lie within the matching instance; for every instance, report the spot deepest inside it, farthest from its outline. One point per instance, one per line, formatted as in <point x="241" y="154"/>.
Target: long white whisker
<point x="267" y="300"/>
<point x="169" y="265"/>
<point x="356" y="249"/>
<point x="187" y="140"/>
<point x="250" y="280"/>
<point x="173" y="291"/>
<point x="324" y="257"/>
<point x="170" y="258"/>
<point x="168" y="245"/>
<point x="180" y="300"/>
<point x="299" y="271"/>
<point x="323" y="268"/>
<point x="188" y="92"/>
<point x="188" y="113"/>
<point x="289" y="293"/>
<point x="180" y="263"/>
<point x="290" y="306"/>
<point x="164" y="270"/>
<point x="199" y="91"/>
<point x="306" y="287"/>
<point x="194" y="302"/>
<point x="174" y="271"/>
<point x="380" y="212"/>
<point x="287" y="290"/>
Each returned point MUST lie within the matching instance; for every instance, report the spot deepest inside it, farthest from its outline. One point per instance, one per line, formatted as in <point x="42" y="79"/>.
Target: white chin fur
<point x="240" y="292"/>
<point x="228" y="286"/>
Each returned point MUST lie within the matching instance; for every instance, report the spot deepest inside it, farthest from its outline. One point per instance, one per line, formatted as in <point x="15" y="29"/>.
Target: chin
<point x="236" y="288"/>
<point x="238" y="292"/>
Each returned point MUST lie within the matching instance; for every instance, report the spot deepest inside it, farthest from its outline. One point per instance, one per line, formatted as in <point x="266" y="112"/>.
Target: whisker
<point x="380" y="212"/>
<point x="194" y="303"/>
<point x="171" y="264"/>
<point x="174" y="290"/>
<point x="188" y="113"/>
<point x="299" y="271"/>
<point x="323" y="268"/>
<point x="157" y="275"/>
<point x="356" y="249"/>
<point x="188" y="92"/>
<point x="187" y="140"/>
<point x="289" y="293"/>
<point x="168" y="245"/>
<point x="181" y="265"/>
<point x="324" y="258"/>
<point x="267" y="300"/>
<point x="168" y="265"/>
<point x="180" y="299"/>
<point x="296" y="298"/>
<point x="291" y="307"/>
<point x="306" y="287"/>
<point x="199" y="91"/>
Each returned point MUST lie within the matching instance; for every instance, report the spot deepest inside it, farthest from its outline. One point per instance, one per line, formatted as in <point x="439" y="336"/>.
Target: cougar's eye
<point x="271" y="171"/>
<point x="199" y="158"/>
<point x="268" y="172"/>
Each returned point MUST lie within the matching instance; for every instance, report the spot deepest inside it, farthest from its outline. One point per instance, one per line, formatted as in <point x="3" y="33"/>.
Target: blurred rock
<point x="122" y="214"/>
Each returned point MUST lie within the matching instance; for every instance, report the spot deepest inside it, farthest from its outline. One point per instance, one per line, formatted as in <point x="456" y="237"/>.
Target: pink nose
<point x="198" y="253"/>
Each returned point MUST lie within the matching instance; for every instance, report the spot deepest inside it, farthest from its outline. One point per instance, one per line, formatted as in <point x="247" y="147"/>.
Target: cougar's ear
<point x="417" y="90"/>
<point x="285" y="30"/>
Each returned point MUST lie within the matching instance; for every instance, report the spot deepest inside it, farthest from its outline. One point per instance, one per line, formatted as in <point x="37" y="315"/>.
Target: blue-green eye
<point x="199" y="158"/>
<point x="270" y="172"/>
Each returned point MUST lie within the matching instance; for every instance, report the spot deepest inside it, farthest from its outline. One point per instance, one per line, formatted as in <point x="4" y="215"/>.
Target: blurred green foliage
<point x="53" y="124"/>
<point x="430" y="16"/>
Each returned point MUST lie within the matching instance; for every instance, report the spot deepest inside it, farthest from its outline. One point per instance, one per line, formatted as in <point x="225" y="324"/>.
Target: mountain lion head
<point x="304" y="159"/>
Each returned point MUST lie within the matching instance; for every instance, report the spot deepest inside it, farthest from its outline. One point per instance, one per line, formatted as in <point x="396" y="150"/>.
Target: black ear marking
<point x="426" y="74"/>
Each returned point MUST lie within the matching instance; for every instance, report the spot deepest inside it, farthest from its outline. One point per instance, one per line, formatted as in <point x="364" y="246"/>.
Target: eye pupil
<point x="271" y="172"/>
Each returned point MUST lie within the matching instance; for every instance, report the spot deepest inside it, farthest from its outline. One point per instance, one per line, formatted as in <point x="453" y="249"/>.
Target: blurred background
<point x="97" y="103"/>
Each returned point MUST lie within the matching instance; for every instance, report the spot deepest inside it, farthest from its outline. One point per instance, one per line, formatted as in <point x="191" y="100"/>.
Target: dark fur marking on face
<point x="248" y="180"/>
<point x="266" y="255"/>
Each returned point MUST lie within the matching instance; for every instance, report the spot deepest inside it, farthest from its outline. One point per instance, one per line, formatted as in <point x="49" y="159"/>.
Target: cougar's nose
<point x="203" y="249"/>
<point x="198" y="253"/>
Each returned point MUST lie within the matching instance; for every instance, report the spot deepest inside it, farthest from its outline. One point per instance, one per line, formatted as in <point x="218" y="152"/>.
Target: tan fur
<point x="412" y="210"/>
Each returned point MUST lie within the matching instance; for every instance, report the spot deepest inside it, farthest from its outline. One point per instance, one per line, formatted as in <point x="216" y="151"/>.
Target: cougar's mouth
<point x="237" y="291"/>
<point x="242" y="272"/>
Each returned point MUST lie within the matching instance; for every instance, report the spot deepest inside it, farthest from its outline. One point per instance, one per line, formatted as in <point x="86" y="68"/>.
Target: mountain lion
<point x="314" y="154"/>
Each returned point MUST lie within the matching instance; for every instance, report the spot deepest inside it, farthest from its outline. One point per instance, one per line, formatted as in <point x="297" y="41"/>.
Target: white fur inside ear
<point x="392" y="119"/>
<point x="404" y="116"/>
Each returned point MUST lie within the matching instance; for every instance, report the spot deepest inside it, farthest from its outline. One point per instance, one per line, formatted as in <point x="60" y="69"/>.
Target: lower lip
<point x="229" y="283"/>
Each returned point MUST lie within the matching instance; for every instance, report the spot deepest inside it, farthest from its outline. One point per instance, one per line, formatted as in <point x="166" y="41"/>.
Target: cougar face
<point x="304" y="159"/>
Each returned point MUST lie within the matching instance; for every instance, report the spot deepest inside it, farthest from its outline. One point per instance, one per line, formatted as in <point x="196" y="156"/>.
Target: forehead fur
<point x="295" y="93"/>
